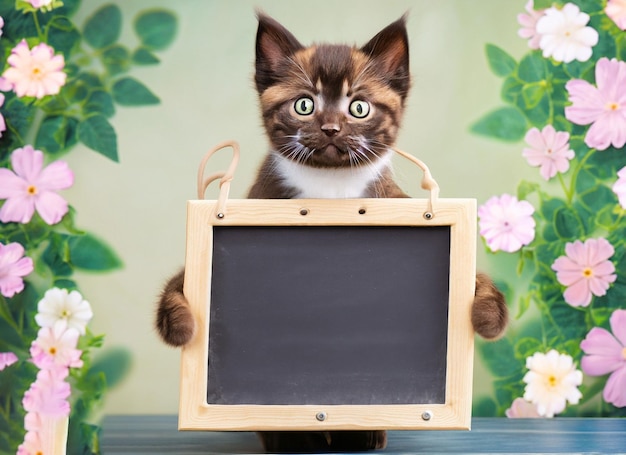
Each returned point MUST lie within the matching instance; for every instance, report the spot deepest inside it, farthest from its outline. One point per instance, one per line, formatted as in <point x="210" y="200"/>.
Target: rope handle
<point x="428" y="182"/>
<point x="225" y="177"/>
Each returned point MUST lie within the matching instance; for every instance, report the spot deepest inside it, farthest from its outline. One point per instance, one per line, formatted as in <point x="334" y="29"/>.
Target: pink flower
<point x="1" y="25"/>
<point x="585" y="270"/>
<point x="56" y="347"/>
<point x="616" y="10"/>
<point x="39" y="3"/>
<point x="7" y="359"/>
<point x="3" y="125"/>
<point x="522" y="409"/>
<point x="48" y="394"/>
<point x="619" y="187"/>
<point x="606" y="353"/>
<point x="37" y="72"/>
<point x="549" y="150"/>
<point x="506" y="223"/>
<point x="12" y="268"/>
<point x="529" y="24"/>
<point x="32" y="187"/>
<point x="32" y="445"/>
<point x="603" y="107"/>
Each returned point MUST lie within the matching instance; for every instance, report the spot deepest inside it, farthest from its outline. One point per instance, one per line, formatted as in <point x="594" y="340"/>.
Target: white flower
<point x="564" y="34"/>
<point x="552" y="380"/>
<point x="57" y="304"/>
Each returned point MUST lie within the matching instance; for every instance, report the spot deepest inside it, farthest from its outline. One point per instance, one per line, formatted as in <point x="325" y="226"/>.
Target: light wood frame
<point x="455" y="413"/>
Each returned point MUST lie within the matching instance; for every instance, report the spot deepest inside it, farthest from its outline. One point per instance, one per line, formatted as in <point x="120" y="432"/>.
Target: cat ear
<point x="273" y="44"/>
<point x="390" y="49"/>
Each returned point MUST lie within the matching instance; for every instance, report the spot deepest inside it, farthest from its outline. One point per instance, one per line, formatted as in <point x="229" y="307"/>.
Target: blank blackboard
<point x="329" y="315"/>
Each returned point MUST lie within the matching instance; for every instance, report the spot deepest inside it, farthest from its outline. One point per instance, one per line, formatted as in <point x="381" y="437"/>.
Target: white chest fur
<point x="316" y="183"/>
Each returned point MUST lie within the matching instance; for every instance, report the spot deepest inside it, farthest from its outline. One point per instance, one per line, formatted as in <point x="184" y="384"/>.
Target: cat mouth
<point x="332" y="149"/>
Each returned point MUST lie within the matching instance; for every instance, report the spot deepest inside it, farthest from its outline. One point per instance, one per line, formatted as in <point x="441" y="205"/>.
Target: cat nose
<point x="331" y="129"/>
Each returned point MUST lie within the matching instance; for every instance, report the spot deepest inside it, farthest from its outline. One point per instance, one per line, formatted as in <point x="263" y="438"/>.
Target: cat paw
<point x="490" y="314"/>
<point x="174" y="321"/>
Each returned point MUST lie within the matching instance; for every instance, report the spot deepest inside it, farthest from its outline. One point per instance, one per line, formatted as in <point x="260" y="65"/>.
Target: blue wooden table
<point x="159" y="435"/>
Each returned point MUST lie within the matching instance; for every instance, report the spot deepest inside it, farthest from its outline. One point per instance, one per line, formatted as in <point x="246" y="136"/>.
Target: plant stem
<point x="37" y="26"/>
<point x="579" y="166"/>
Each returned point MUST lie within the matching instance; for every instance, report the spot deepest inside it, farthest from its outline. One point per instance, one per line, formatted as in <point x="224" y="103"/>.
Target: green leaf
<point x="103" y="27"/>
<point x="543" y="4"/>
<point x="156" y="28"/>
<point x="99" y="102"/>
<point x="114" y="363"/>
<point x="63" y="36"/>
<point x="130" y="92"/>
<point x="18" y="117"/>
<point x="506" y="124"/>
<point x="116" y="59"/>
<point x="511" y="89"/>
<point x="597" y="198"/>
<point x="56" y="256"/>
<point x="578" y="70"/>
<point x="484" y="407"/>
<point x="568" y="224"/>
<point x="532" y="68"/>
<point x="526" y="347"/>
<point x="143" y="56"/>
<point x="501" y="63"/>
<point x="539" y="115"/>
<point x="526" y="188"/>
<point x="87" y="252"/>
<point x="98" y="134"/>
<point x="499" y="358"/>
<point x="532" y="93"/>
<point x="56" y="134"/>
<point x="524" y="304"/>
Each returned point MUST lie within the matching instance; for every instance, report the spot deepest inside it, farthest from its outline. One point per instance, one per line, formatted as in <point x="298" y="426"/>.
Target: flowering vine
<point x="59" y="87"/>
<point x="566" y="98"/>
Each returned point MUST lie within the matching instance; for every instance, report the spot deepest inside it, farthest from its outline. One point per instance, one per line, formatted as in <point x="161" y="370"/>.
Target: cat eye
<point x="359" y="109"/>
<point x="304" y="106"/>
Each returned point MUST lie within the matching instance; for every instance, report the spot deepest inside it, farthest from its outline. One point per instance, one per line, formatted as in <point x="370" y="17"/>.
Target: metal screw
<point x="304" y="212"/>
<point x="362" y="211"/>
<point x="220" y="215"/>
<point x="427" y="415"/>
<point x="428" y="216"/>
<point x="321" y="416"/>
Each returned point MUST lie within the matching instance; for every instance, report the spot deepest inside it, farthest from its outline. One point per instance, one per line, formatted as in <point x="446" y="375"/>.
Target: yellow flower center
<point x="66" y="314"/>
<point x="624" y="353"/>
<point x="37" y="73"/>
<point x="32" y="190"/>
<point x="552" y="380"/>
<point x="587" y="273"/>
<point x="549" y="151"/>
<point x="612" y="106"/>
<point x="52" y="350"/>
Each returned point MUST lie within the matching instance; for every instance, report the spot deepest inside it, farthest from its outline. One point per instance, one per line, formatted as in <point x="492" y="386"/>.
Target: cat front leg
<point x="174" y="320"/>
<point x="490" y="314"/>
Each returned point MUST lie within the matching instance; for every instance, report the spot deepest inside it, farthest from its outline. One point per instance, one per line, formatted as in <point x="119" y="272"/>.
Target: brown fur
<point x="286" y="71"/>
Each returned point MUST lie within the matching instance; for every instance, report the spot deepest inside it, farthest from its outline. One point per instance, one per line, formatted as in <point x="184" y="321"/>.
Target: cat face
<point x="331" y="106"/>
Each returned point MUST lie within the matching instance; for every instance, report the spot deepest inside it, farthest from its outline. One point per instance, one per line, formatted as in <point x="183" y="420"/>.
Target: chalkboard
<point x="328" y="314"/>
<point x="325" y="315"/>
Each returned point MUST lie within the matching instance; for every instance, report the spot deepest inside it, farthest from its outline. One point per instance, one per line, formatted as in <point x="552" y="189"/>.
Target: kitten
<point x="332" y="114"/>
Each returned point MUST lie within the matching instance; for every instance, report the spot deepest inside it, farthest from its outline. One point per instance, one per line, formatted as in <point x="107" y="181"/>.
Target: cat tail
<point x="174" y="320"/>
<point x="490" y="315"/>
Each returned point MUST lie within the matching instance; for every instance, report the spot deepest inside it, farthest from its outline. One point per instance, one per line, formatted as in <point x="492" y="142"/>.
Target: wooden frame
<point x="455" y="413"/>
